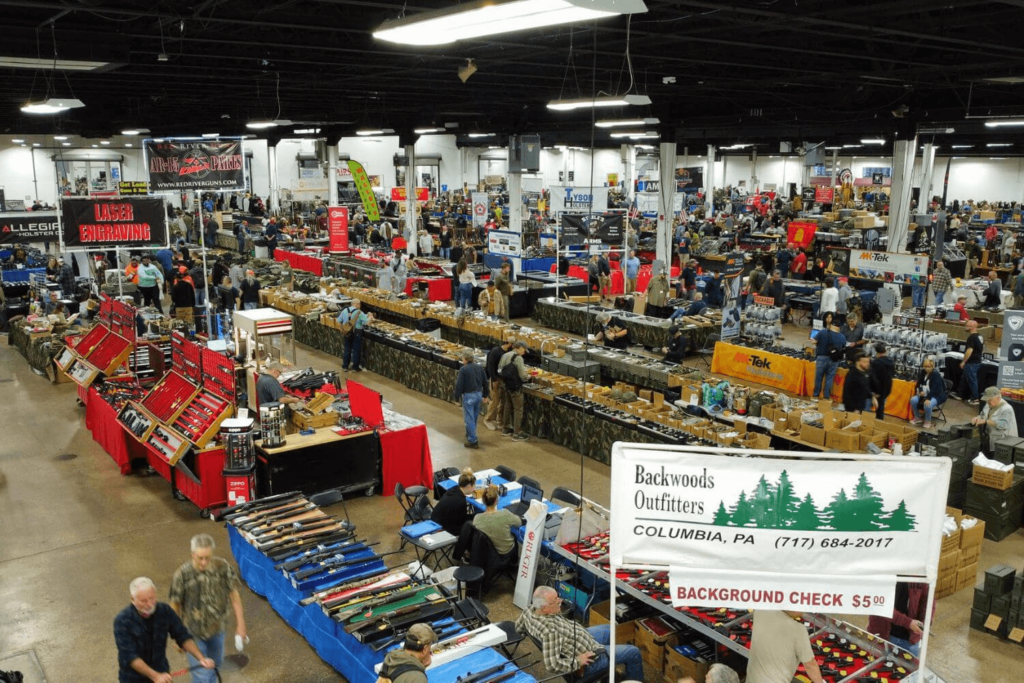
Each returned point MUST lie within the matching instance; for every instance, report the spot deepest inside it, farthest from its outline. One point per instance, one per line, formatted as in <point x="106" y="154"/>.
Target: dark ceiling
<point x="796" y="70"/>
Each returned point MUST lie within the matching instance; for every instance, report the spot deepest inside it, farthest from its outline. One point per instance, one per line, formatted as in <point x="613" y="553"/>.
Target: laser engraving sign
<point x="113" y="222"/>
<point x="791" y="531"/>
<point x="195" y="165"/>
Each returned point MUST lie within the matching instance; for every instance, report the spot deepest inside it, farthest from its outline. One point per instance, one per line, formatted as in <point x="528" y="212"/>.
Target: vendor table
<point x="323" y="460"/>
<point x="795" y="375"/>
<point x="577" y="318"/>
<point x="514" y="494"/>
<point x="208" y="467"/>
<point x="311" y="263"/>
<point x="20" y="274"/>
<point x="438" y="288"/>
<point x="101" y="421"/>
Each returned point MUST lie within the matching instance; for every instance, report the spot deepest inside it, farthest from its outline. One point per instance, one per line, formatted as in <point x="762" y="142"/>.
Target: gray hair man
<point x="140" y="633"/>
<point x="269" y="389"/>
<point x="998" y="416"/>
<point x="473" y="389"/>
<point x="202" y="591"/>
<point x="567" y="647"/>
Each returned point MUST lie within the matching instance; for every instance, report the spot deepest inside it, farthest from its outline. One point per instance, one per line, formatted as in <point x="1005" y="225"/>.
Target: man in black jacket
<point x="677" y="343"/>
<point x="471" y="388"/>
<point x="452" y="511"/>
<point x="497" y="386"/>
<point x="857" y="395"/>
<point x="883" y="369"/>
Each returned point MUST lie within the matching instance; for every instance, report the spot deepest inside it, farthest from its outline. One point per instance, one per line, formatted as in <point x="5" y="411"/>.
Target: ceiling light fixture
<point x="306" y="131"/>
<point x="37" y="144"/>
<point x="162" y="57"/>
<point x="211" y="135"/>
<point x="127" y="144"/>
<point x="53" y="105"/>
<point x="60" y="137"/>
<point x="104" y="142"/>
<point x="1004" y="122"/>
<point x="627" y="134"/>
<point x="17" y="141"/>
<point x="261" y="125"/>
<point x="426" y="131"/>
<point x="999" y="144"/>
<point x="365" y="133"/>
<point x="134" y="131"/>
<point x="481" y="135"/>
<point x="872" y="141"/>
<point x="50" y="64"/>
<point x="66" y="144"/>
<point x="490" y="17"/>
<point x="628" y="122"/>
<point x="997" y="158"/>
<point x="963" y="146"/>
<point x="611" y="101"/>
<point x="834" y="147"/>
<point x="851" y="146"/>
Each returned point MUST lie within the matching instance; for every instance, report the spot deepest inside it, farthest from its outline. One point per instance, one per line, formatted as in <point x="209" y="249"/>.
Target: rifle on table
<point x="353" y="586"/>
<point x="320" y="553"/>
<point x="421" y="613"/>
<point x="502" y="677"/>
<point x="471" y="677"/>
<point x="365" y="604"/>
<point x="284" y="552"/>
<point x="301" y="525"/>
<point x="332" y="567"/>
<point x="276" y="517"/>
<point x="300" y="539"/>
<point x="337" y="601"/>
<point x="445" y="631"/>
<point x="354" y="626"/>
<point x="275" y="509"/>
<point x="242" y="508"/>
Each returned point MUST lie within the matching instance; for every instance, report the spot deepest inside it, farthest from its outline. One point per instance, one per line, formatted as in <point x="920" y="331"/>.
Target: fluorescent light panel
<point x="627" y="122"/>
<point x="369" y="132"/>
<point x="963" y="146"/>
<point x="488" y="18"/>
<point x="586" y="103"/>
<point x="426" y="131"/>
<point x="481" y="135"/>
<point x="873" y="141"/>
<point x="1004" y="123"/>
<point x="261" y="125"/>
<point x="60" y="64"/>
<point x="53" y="105"/>
<point x="999" y="144"/>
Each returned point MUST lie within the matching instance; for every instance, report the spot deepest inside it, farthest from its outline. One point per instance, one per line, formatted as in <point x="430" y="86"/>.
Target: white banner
<point x="647" y="203"/>
<point x="505" y="243"/>
<point x="577" y="199"/>
<point x="480" y="206"/>
<point x="532" y="540"/>
<point x="900" y="266"/>
<point x="798" y="593"/>
<point x="791" y="513"/>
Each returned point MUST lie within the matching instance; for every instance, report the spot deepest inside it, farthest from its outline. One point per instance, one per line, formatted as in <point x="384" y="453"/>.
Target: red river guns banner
<point x="195" y="165"/>
<point x="132" y="222"/>
<point x="792" y="532"/>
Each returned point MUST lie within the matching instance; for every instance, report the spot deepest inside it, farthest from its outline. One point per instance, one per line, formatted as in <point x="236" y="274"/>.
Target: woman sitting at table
<point x="497" y="524"/>
<point x="452" y="510"/>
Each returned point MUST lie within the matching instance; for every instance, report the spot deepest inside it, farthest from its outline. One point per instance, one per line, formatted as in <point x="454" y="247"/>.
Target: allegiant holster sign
<point x="29" y="227"/>
<point x="113" y="222"/>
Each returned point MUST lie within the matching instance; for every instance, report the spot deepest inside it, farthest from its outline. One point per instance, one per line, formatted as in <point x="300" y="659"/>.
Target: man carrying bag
<point x="352" y="322"/>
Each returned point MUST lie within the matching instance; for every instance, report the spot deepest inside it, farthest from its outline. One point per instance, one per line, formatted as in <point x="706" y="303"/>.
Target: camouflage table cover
<point x="38" y="348"/>
<point x="578" y="318"/>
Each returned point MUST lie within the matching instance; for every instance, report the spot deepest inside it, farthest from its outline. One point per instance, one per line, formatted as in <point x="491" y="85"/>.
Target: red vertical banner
<point x="801" y="233"/>
<point x="823" y="195"/>
<point x="337" y="227"/>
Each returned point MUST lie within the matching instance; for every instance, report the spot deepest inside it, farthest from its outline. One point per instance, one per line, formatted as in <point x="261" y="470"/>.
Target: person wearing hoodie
<point x="883" y="369"/>
<point x="409" y="663"/>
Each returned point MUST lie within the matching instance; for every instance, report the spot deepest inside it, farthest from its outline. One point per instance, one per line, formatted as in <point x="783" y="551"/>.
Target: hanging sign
<point x="36" y="226"/>
<point x="568" y="198"/>
<point x="823" y="195"/>
<point x="132" y="187"/>
<point x="122" y="223"/>
<point x="398" y="194"/>
<point x="793" y="514"/>
<point x="689" y="179"/>
<point x="801" y="233"/>
<point x="337" y="228"/>
<point x="364" y="185"/>
<point x="480" y="205"/>
<point x="195" y="165"/>
<point x="613" y="179"/>
<point x="504" y="243"/>
<point x="892" y="267"/>
<point x="731" y="312"/>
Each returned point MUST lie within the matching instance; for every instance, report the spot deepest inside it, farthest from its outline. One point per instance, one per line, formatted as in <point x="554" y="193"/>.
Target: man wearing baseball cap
<point x="409" y="664"/>
<point x="998" y="415"/>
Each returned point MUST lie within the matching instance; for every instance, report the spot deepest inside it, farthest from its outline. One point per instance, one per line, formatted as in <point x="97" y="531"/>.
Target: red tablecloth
<point x="299" y="261"/>
<point x="438" y="289"/>
<point x="101" y="420"/>
<point x="406" y="459"/>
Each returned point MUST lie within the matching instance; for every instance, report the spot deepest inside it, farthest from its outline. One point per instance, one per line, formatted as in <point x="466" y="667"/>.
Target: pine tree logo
<point x="777" y="506"/>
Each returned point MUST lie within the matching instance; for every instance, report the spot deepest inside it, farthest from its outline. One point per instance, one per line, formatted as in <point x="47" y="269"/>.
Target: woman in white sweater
<point x="464" y="297"/>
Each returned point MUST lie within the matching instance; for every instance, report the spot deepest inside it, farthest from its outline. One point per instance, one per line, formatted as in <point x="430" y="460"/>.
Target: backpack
<point x="836" y="354"/>
<point x="349" y="326"/>
<point x="510" y="375"/>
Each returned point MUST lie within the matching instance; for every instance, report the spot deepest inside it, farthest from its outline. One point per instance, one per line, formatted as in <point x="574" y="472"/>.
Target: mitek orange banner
<point x="781" y="372"/>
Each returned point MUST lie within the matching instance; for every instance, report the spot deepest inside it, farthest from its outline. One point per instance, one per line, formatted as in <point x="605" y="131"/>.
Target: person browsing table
<point x="473" y="390"/>
<point x="354" y="339"/>
<point x="998" y="416"/>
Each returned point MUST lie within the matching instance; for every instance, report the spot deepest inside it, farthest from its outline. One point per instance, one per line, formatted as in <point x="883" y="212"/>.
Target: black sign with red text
<point x="132" y="222"/>
<point x="195" y="165"/>
<point x="34" y="226"/>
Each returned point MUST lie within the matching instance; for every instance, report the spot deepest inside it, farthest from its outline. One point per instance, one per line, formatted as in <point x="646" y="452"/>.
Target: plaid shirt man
<point x="941" y="282"/>
<point x="561" y="640"/>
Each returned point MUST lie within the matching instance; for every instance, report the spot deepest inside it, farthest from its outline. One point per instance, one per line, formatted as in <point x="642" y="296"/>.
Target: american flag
<point x="633" y="212"/>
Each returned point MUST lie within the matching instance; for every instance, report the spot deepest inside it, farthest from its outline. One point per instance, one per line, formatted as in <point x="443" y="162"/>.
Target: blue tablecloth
<point x="524" y="264"/>
<point x="20" y="275"/>
<point x="504" y="501"/>
<point x="478" y="661"/>
<point x="348" y="656"/>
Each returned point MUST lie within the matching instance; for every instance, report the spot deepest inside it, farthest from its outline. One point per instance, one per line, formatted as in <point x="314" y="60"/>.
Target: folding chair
<point x="328" y="498"/>
<point x="708" y="349"/>
<point x="939" y="412"/>
<point x="566" y="495"/>
<point x="507" y="473"/>
<point x="529" y="481"/>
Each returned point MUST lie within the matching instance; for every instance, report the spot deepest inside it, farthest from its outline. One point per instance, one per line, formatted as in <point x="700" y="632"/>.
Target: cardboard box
<point x="951" y="542"/>
<point x="969" y="555"/>
<point x="652" y="646"/>
<point x="972" y="537"/>
<point x="599" y="616"/>
<point x="678" y="665"/>
<point x="949" y="562"/>
<point x="966" y="577"/>
<point x="994" y="479"/>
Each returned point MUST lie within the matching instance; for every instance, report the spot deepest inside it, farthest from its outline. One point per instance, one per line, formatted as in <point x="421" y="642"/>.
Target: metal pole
<point x="202" y="245"/>
<point x="120" y="279"/>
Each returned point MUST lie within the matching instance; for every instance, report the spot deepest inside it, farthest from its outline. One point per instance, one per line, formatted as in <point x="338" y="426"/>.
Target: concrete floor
<point x="74" y="532"/>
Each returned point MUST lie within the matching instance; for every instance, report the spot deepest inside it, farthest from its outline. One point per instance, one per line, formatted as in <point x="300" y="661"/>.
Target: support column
<point x="666" y="202"/>
<point x="899" y="198"/>
<point x="753" y="173"/>
<point x="626" y="153"/>
<point x="332" y="174"/>
<point x="709" y="196"/>
<point x="515" y="202"/>
<point x="835" y="174"/>
<point x="927" y="168"/>
<point x="411" y="223"/>
<point x="273" y="201"/>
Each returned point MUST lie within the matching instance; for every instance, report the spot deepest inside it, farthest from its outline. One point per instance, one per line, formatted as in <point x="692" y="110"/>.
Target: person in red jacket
<point x="906" y="626"/>
<point x="798" y="268"/>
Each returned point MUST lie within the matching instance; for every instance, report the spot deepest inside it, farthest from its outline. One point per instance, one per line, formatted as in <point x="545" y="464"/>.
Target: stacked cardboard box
<point x="998" y="602"/>
<point x="653" y="636"/>
<point x="958" y="563"/>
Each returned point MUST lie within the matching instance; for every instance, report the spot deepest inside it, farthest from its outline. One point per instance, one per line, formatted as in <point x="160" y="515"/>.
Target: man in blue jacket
<point x="827" y="354"/>
<point x="354" y="339"/>
<point x="632" y="271"/>
<point x="473" y="389"/>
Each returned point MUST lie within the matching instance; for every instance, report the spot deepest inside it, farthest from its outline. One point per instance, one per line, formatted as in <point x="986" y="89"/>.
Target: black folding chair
<point x="529" y="481"/>
<point x="327" y="498"/>
<point x="568" y="496"/>
<point x="507" y="473"/>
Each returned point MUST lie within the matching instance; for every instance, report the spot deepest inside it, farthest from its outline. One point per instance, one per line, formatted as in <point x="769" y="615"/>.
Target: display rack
<point x="169" y="397"/>
<point x="110" y="353"/>
<point x="262" y="323"/>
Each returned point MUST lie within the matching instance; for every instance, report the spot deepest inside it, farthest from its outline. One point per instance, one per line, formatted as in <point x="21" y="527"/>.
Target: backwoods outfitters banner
<point x="195" y="165"/>
<point x="794" y="531"/>
<point x="125" y="222"/>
